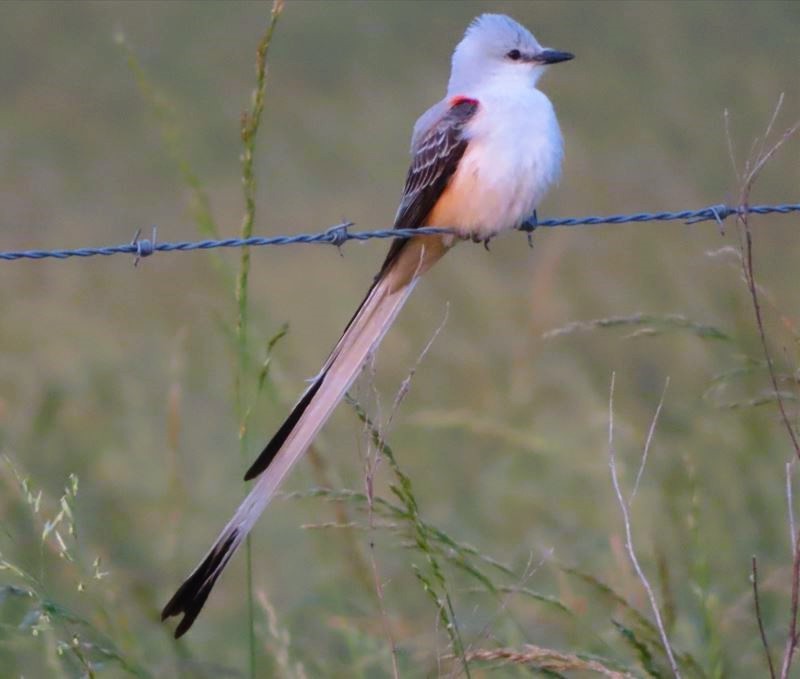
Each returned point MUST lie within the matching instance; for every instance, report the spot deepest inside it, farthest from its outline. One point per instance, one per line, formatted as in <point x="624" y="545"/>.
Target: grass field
<point x="494" y="533"/>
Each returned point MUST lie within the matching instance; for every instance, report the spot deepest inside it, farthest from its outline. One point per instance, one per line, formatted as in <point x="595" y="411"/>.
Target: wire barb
<point x="529" y="226"/>
<point x="144" y="246"/>
<point x="339" y="234"/>
<point x="718" y="213"/>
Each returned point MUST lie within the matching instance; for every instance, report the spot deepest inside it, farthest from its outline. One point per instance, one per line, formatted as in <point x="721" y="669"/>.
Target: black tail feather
<point x="192" y="594"/>
<point x="277" y="441"/>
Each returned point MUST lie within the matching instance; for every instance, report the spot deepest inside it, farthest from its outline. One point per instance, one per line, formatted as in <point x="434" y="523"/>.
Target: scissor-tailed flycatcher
<point x="482" y="159"/>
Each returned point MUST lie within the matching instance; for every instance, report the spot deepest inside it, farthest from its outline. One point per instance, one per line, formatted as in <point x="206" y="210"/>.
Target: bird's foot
<point x="476" y="238"/>
<point x="529" y="226"/>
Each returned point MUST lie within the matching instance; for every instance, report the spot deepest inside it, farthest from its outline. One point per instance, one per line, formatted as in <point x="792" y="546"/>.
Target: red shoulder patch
<point x="461" y="99"/>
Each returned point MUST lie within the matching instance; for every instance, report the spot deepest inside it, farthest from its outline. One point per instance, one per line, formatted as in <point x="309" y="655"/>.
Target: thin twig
<point x="649" y="440"/>
<point x="752" y="288"/>
<point x="759" y="618"/>
<point x="372" y="464"/>
<point x="387" y="628"/>
<point x="792" y="637"/>
<point x="378" y="450"/>
<point x="624" y="506"/>
<point x="790" y="502"/>
<point x="731" y="149"/>
<point x="753" y="168"/>
<point x="405" y="387"/>
<point x="446" y="606"/>
<point x="371" y="467"/>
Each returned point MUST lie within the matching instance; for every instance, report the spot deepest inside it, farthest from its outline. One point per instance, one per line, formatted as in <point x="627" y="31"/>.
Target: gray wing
<point x="435" y="156"/>
<point x="436" y="153"/>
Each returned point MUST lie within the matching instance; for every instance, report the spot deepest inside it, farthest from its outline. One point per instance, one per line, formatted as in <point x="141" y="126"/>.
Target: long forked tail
<point x="362" y="335"/>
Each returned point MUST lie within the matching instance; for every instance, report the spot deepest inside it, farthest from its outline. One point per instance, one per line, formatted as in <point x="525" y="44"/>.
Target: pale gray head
<point x="498" y="48"/>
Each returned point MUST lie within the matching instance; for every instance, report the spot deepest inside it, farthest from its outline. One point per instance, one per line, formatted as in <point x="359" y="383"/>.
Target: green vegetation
<point x="459" y="516"/>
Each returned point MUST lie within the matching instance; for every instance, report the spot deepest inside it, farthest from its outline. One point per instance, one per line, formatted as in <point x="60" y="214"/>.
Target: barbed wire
<point x="339" y="234"/>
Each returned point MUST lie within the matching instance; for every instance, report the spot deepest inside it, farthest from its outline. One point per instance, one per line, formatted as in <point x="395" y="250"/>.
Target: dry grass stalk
<point x="545" y="659"/>
<point x="752" y="169"/>
<point x="625" y="507"/>
<point x="375" y="453"/>
<point x="762" y="633"/>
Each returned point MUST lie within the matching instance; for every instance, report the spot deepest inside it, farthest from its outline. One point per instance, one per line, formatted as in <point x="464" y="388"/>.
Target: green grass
<point x="474" y="527"/>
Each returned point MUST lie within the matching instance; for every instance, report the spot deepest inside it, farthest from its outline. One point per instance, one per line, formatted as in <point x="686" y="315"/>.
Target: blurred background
<point x="125" y="376"/>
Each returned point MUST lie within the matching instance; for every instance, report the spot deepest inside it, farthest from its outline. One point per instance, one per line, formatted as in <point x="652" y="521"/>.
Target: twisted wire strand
<point x="339" y="234"/>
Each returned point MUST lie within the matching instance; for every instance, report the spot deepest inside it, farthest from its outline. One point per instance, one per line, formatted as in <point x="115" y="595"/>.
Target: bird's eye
<point x="514" y="55"/>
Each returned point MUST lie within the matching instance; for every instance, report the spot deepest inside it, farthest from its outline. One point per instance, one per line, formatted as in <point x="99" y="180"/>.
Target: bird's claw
<point x="530" y="225"/>
<point x="475" y="238"/>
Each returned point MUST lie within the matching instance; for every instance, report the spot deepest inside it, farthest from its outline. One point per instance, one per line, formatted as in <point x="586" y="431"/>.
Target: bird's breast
<point x="513" y="157"/>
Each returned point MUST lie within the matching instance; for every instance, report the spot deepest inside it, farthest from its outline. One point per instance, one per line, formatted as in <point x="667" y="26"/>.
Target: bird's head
<point x="497" y="47"/>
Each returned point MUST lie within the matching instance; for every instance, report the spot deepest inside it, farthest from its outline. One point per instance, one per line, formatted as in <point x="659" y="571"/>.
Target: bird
<point x="482" y="158"/>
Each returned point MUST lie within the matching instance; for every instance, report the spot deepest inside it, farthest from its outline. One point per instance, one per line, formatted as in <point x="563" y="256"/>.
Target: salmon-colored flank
<point x="461" y="99"/>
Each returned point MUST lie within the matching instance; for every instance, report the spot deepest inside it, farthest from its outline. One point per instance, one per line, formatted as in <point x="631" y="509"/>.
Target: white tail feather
<point x="361" y="338"/>
<point x="364" y="335"/>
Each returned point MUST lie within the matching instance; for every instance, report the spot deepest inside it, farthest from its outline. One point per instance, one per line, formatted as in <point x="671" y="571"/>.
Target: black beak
<point x="552" y="57"/>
